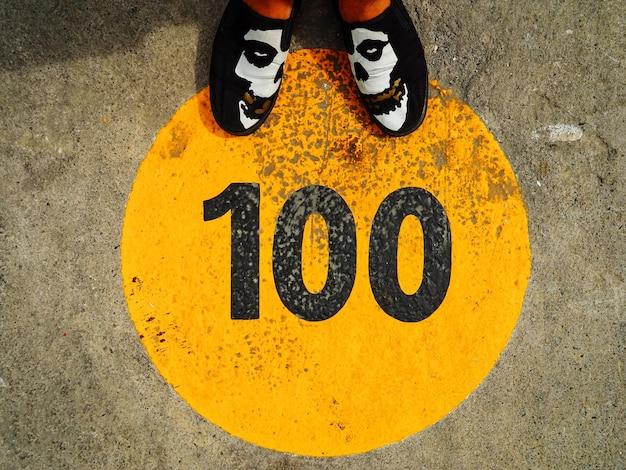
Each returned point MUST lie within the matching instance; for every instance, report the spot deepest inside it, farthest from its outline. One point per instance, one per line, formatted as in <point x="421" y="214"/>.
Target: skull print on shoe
<point x="388" y="64"/>
<point x="247" y="61"/>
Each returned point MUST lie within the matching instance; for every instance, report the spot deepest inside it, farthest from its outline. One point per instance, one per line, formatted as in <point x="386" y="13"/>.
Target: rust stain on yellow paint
<point x="360" y="379"/>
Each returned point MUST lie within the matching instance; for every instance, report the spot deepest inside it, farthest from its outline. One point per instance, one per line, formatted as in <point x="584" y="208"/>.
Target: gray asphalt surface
<point x="84" y="88"/>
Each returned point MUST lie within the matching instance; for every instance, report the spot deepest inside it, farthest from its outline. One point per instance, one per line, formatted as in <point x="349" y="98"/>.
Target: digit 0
<point x="384" y="248"/>
<point x="287" y="253"/>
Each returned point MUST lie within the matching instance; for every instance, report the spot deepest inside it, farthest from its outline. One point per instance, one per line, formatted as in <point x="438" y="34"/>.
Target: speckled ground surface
<point x="84" y="89"/>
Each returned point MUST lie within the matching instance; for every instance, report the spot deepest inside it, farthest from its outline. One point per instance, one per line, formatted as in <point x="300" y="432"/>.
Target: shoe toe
<point x="387" y="60"/>
<point x="249" y="52"/>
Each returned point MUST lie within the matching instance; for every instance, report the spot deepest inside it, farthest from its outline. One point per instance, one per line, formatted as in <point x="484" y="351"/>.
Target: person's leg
<point x="353" y="11"/>
<point x="278" y="9"/>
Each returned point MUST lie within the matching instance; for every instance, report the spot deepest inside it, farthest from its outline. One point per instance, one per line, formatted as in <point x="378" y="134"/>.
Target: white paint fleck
<point x="568" y="31"/>
<point x="559" y="133"/>
<point x="3" y="384"/>
<point x="617" y="61"/>
<point x="539" y="183"/>
<point x="564" y="133"/>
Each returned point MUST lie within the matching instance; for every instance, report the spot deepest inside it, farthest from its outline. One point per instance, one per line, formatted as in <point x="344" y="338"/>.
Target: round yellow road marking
<point x="361" y="378"/>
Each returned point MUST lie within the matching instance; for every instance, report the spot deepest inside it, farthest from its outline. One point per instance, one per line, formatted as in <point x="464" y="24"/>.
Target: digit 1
<point x="383" y="252"/>
<point x="242" y="200"/>
<point x="287" y="253"/>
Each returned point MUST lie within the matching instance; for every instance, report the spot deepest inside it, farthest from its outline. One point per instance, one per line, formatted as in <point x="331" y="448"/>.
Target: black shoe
<point x="387" y="61"/>
<point x="247" y="61"/>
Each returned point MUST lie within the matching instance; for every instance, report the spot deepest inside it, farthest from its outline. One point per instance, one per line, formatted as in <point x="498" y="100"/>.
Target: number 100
<point x="243" y="201"/>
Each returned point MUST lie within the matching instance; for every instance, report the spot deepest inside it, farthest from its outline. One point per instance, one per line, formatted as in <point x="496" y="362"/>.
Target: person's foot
<point x="388" y="64"/>
<point x="249" y="53"/>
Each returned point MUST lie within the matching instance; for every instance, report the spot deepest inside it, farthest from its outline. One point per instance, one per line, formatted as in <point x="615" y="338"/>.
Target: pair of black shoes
<point x="385" y="53"/>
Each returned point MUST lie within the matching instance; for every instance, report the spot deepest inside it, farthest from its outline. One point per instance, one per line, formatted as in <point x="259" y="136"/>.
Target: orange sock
<point x="278" y="9"/>
<point x="361" y="10"/>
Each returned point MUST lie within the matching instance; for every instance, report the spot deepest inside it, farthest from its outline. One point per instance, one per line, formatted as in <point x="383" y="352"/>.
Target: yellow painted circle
<point x="360" y="379"/>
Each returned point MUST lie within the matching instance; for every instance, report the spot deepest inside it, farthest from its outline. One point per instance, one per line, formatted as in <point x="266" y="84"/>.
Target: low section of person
<point x="385" y="53"/>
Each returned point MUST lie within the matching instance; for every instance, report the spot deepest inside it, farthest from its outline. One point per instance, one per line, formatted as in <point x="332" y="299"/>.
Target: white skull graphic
<point x="260" y="63"/>
<point x="373" y="62"/>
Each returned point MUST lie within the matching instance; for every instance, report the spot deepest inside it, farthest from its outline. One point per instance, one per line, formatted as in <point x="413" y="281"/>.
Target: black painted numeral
<point x="242" y="200"/>
<point x="287" y="253"/>
<point x="383" y="253"/>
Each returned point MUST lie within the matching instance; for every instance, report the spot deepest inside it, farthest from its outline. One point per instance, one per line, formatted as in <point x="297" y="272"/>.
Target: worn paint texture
<point x="360" y="379"/>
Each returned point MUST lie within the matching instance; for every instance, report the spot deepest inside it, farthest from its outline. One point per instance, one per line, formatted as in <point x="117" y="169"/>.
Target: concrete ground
<point x="84" y="88"/>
